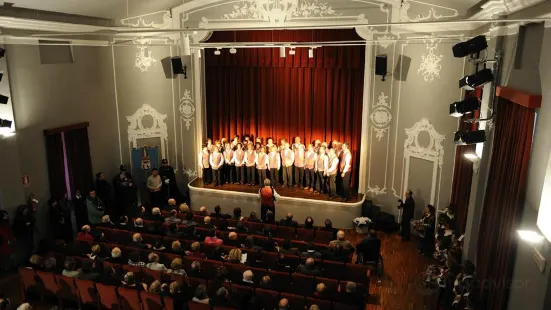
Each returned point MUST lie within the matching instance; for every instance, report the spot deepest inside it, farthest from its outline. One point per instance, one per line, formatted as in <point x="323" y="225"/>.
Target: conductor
<point x="408" y="208"/>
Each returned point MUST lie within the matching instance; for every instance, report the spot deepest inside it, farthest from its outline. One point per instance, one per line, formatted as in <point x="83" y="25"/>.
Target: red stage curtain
<point x="504" y="201"/>
<point x="257" y="92"/>
<point x="463" y="172"/>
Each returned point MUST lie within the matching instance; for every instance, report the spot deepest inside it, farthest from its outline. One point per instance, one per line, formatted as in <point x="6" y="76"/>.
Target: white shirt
<point x="325" y="163"/>
<point x="333" y="166"/>
<point x="216" y="167"/>
<point x="257" y="160"/>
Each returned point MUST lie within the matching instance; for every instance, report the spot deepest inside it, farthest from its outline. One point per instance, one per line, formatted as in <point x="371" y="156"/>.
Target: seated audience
<point x="352" y="296"/>
<point x="154" y="263"/>
<point x="123" y="223"/>
<point x="340" y="241"/>
<point x="106" y="222"/>
<point x="116" y="256"/>
<point x="309" y="268"/>
<point x="253" y="217"/>
<point x="270" y="217"/>
<point x="188" y="221"/>
<point x="309" y="223"/>
<point x="218" y="213"/>
<point x="195" y="251"/>
<point x="311" y="251"/>
<point x="232" y="240"/>
<point x="266" y="283"/>
<point x="38" y="262"/>
<point x="223" y="299"/>
<point x="95" y="255"/>
<point x="240" y="227"/>
<point x="329" y="227"/>
<point x="156" y="215"/>
<point x="369" y="248"/>
<point x="134" y="260"/>
<point x="314" y="307"/>
<point x="155" y="228"/>
<point x="216" y="254"/>
<point x="155" y="287"/>
<point x="286" y="248"/>
<point x="172" y="204"/>
<point x="195" y="270"/>
<point x="204" y="211"/>
<point x="138" y="225"/>
<point x="201" y="295"/>
<point x="321" y="291"/>
<point x="174" y="231"/>
<point x="337" y="253"/>
<point x="234" y="256"/>
<point x="211" y="238"/>
<point x="207" y="223"/>
<point x="248" y="278"/>
<point x="177" y="294"/>
<point x="87" y="272"/>
<point x="288" y="221"/>
<point x="173" y="218"/>
<point x="69" y="268"/>
<point x="283" y="304"/>
<point x="236" y="213"/>
<point x="85" y="234"/>
<point x="177" y="248"/>
<point x="177" y="267"/>
<point x="129" y="281"/>
<point x="159" y="246"/>
<point x="137" y="241"/>
<point x="109" y="277"/>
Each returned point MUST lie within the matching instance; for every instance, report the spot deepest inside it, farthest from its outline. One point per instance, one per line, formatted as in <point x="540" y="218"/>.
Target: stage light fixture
<point x="282" y="53"/>
<point x="4" y="99"/>
<point x="2" y="52"/>
<point x="471" y="47"/>
<point x="471" y="156"/>
<point x="469" y="137"/>
<point x="311" y="53"/>
<point x="292" y="51"/>
<point x="482" y="77"/>
<point x="217" y="52"/>
<point x="469" y="105"/>
<point x="233" y="50"/>
<point x="5" y="123"/>
<point x="186" y="46"/>
<point x="198" y="53"/>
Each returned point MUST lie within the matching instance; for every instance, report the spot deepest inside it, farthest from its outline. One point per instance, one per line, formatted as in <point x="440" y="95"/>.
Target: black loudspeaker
<point x="366" y="208"/>
<point x="167" y="67"/>
<point x="386" y="222"/>
<point x="177" y="66"/>
<point x="402" y="68"/>
<point x="473" y="46"/>
<point x="381" y="66"/>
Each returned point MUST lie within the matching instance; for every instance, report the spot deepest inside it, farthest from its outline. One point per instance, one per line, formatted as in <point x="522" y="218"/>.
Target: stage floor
<point x="294" y="192"/>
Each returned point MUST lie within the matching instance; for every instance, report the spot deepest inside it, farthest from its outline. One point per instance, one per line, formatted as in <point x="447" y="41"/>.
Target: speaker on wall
<point x="381" y="66"/>
<point x="167" y="67"/>
<point x="177" y="66"/>
<point x="402" y="68"/>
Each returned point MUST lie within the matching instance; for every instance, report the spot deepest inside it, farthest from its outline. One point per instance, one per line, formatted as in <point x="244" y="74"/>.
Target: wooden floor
<point x="283" y="191"/>
<point x="397" y="290"/>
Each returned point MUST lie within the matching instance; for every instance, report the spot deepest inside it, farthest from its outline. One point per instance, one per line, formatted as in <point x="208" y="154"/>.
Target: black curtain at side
<point x="79" y="162"/>
<point x="56" y="169"/>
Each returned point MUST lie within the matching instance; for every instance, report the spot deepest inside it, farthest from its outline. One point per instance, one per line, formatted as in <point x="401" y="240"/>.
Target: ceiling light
<point x="292" y="51"/>
<point x="469" y="137"/>
<point x="530" y="236"/>
<point x="233" y="50"/>
<point x="471" y="156"/>
<point x="282" y="51"/>
<point x="469" y="105"/>
<point x="194" y="32"/>
<point x="217" y="52"/>
<point x="5" y="123"/>
<point x="471" y="47"/>
<point x="311" y="53"/>
<point x="186" y="46"/>
<point x="470" y="82"/>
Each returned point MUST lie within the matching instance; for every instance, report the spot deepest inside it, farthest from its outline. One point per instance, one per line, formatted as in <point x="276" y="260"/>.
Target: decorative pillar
<point x="199" y="106"/>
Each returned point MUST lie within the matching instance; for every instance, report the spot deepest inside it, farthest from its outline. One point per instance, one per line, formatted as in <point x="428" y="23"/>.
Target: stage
<point x="298" y="201"/>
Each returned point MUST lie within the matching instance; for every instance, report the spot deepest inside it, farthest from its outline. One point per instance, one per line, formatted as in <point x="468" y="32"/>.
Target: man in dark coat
<point x="170" y="189"/>
<point x="103" y="189"/>
<point x="408" y="210"/>
<point x="81" y="213"/>
<point x="125" y="193"/>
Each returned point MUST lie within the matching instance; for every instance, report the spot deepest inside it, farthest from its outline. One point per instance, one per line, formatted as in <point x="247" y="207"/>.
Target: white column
<point x="198" y="99"/>
<point x="364" y="144"/>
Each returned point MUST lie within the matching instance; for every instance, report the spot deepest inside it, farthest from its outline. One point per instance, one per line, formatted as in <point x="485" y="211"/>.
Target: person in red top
<point x="211" y="238"/>
<point x="268" y="197"/>
<point x="85" y="235"/>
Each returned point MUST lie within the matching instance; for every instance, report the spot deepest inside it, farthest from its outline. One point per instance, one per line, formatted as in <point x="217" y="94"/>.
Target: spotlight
<point x="2" y="52"/>
<point x="457" y="109"/>
<point x="311" y="53"/>
<point x="471" y="47"/>
<point x="5" y="123"/>
<point x="282" y="52"/>
<point x="217" y="52"/>
<point x="199" y="54"/>
<point x="530" y="236"/>
<point x="471" y="156"/>
<point x="4" y="99"/>
<point x="470" y="82"/>
<point x="233" y="50"/>
<point x="469" y="137"/>
<point x="186" y="46"/>
<point x="292" y="51"/>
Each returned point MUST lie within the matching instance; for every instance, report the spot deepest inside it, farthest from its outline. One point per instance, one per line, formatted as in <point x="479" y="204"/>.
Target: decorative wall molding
<point x="430" y="63"/>
<point x="190" y="173"/>
<point x="398" y="194"/>
<point x="144" y="58"/>
<point x="149" y="20"/>
<point x="137" y="130"/>
<point x="433" y="152"/>
<point x="187" y="108"/>
<point x="381" y="116"/>
<point x="432" y="14"/>
<point x="495" y="8"/>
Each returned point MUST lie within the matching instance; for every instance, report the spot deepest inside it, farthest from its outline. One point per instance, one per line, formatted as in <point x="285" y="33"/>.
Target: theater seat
<point x="305" y="234"/>
<point x="197" y="306"/>
<point x="280" y="280"/>
<point x="286" y="232"/>
<point x="331" y="285"/>
<point x="333" y="270"/>
<point x="357" y="273"/>
<point x="296" y="302"/>
<point x="322" y="304"/>
<point x="302" y="284"/>
<point x="28" y="283"/>
<point x="130" y="299"/>
<point x="47" y="284"/>
<point x="270" y="299"/>
<point x="87" y="293"/>
<point x="168" y="302"/>
<point x="343" y="306"/>
<point x="324" y="236"/>
<point x="108" y="296"/>
<point x="151" y="301"/>
<point x="67" y="290"/>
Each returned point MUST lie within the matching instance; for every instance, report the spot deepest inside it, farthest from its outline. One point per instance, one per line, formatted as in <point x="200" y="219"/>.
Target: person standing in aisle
<point x="216" y="162"/>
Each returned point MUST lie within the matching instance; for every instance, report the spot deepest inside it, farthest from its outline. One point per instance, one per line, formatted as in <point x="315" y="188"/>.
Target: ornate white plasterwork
<point x="433" y="152"/>
<point x="187" y="108"/>
<point x="381" y="116"/>
<point x="430" y="63"/>
<point x="158" y="129"/>
<point x="432" y="14"/>
<point x="149" y="20"/>
<point x="190" y="173"/>
<point x="144" y="58"/>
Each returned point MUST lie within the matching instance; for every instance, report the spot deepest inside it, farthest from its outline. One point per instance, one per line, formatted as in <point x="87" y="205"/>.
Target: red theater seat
<point x="151" y="301"/>
<point x="270" y="299"/>
<point x="68" y="290"/>
<point x="322" y="304"/>
<point x="87" y="293"/>
<point x="130" y="299"/>
<point x="296" y="302"/>
<point x="108" y="296"/>
<point x="324" y="237"/>
<point x="28" y="282"/>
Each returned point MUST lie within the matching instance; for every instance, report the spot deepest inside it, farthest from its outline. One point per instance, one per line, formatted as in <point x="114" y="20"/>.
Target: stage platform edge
<point x="341" y="214"/>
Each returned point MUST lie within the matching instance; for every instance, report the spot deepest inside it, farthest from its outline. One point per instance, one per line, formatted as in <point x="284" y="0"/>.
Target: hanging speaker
<point x="402" y="68"/>
<point x="381" y="65"/>
<point x="177" y="67"/>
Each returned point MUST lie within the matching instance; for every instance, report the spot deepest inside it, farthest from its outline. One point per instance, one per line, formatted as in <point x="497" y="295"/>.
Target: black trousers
<point x="299" y="176"/>
<point x="321" y="182"/>
<point x="156" y="198"/>
<point x="261" y="176"/>
<point x="240" y="174"/>
<point x="274" y="176"/>
<point x="207" y="176"/>
<point x="229" y="174"/>
<point x="250" y="175"/>
<point x="309" y="177"/>
<point x="405" y="228"/>
<point x="346" y="186"/>
<point x="288" y="176"/>
<point x="264" y="209"/>
<point x="333" y="185"/>
<point x="216" y="177"/>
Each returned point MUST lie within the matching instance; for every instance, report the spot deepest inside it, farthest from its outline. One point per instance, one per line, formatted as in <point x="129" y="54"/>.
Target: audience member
<point x="156" y="215"/>
<point x="211" y="238"/>
<point x="207" y="223"/>
<point x="134" y="260"/>
<point x="154" y="263"/>
<point x="123" y="223"/>
<point x="195" y="270"/>
<point x="240" y="227"/>
<point x="369" y="248"/>
<point x="184" y="208"/>
<point x="137" y="241"/>
<point x="286" y="248"/>
<point x="216" y="254"/>
<point x="321" y="291"/>
<point x="223" y="299"/>
<point x="129" y="281"/>
<point x="204" y="211"/>
<point x="234" y="256"/>
<point x="232" y="240"/>
<point x="106" y="222"/>
<point x="159" y="246"/>
<point x="69" y="268"/>
<point x="266" y="283"/>
<point x="109" y="277"/>
<point x="195" y="247"/>
<point x="314" y="307"/>
<point x="138" y="225"/>
<point x="311" y="251"/>
<point x="309" y="223"/>
<point x="173" y="218"/>
<point x="283" y="304"/>
<point x="155" y="287"/>
<point x="340" y="241"/>
<point x="352" y="296"/>
<point x="116" y="256"/>
<point x="177" y="267"/>
<point x="270" y="217"/>
<point x="177" y="248"/>
<point x="328" y="226"/>
<point x="174" y="231"/>
<point x="218" y="213"/>
<point x="172" y="205"/>
<point x="201" y="295"/>
<point x="248" y="278"/>
<point x="288" y="221"/>
<point x="309" y="268"/>
<point x="87" y="272"/>
<point x="85" y="234"/>
<point x="253" y="217"/>
<point x="236" y="213"/>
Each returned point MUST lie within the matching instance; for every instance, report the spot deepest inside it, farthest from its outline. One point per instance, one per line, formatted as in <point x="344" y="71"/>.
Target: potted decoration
<point x="362" y="225"/>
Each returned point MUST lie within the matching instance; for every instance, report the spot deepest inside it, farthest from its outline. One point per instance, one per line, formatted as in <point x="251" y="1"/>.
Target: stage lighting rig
<point x="469" y="105"/>
<point x="472" y="47"/>
<point x="480" y="78"/>
<point x="5" y="123"/>
<point x="469" y="137"/>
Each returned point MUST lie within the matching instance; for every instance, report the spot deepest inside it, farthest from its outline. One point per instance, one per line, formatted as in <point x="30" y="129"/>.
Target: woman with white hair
<point x="154" y="263"/>
<point x="116" y="256"/>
